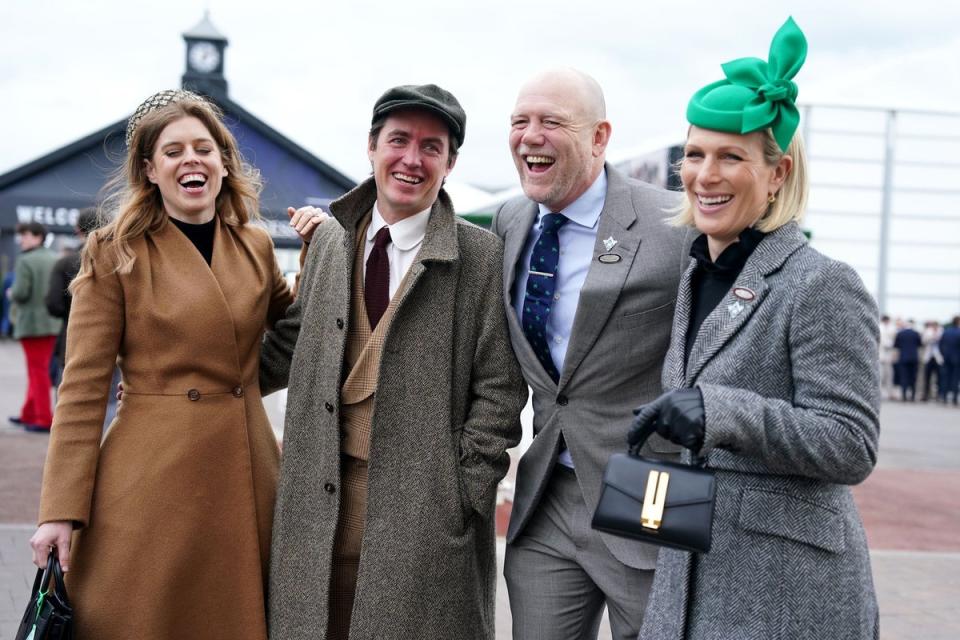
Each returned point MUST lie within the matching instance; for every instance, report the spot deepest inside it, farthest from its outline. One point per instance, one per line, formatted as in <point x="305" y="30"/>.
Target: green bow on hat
<point x="756" y="94"/>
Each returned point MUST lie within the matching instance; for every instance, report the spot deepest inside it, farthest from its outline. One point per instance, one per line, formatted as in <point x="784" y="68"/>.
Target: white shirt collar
<point x="586" y="209"/>
<point x="405" y="234"/>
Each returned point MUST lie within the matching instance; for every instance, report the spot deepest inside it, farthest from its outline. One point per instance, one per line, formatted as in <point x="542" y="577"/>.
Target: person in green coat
<point x="35" y="328"/>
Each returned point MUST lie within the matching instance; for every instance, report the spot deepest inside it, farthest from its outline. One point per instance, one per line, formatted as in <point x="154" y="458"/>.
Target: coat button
<point x="328" y="407"/>
<point x="237" y="392"/>
<point x="329" y="488"/>
<point x="562" y="400"/>
<point x="193" y="394"/>
<point x="339" y="323"/>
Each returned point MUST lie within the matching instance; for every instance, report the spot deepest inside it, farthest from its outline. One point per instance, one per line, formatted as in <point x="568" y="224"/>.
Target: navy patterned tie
<point x="541" y="284"/>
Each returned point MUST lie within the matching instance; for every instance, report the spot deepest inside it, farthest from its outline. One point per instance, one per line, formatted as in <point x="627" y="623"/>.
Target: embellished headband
<point x="157" y="101"/>
<point x="756" y="94"/>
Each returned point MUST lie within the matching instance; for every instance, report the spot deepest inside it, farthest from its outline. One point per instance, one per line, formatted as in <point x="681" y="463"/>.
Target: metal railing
<point x="885" y="197"/>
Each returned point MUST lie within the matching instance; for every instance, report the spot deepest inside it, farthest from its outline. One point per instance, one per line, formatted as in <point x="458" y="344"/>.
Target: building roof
<point x="72" y="176"/>
<point x="204" y="30"/>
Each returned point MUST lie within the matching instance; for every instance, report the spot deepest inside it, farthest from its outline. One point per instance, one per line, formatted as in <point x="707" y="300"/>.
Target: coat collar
<point x="732" y="312"/>
<point x="439" y="241"/>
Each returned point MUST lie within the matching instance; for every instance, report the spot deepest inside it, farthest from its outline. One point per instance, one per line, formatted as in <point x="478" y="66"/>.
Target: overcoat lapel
<point x="673" y="364"/>
<point x="217" y="279"/>
<point x="604" y="280"/>
<point x="439" y="238"/>
<point x="724" y="321"/>
<point x="733" y="312"/>
<point x="234" y="288"/>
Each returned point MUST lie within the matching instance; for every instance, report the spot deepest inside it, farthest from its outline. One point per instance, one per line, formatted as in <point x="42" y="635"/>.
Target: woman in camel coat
<point x="170" y="515"/>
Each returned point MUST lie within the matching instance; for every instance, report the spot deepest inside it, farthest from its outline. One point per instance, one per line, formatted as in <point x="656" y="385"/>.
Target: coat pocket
<point x="661" y="314"/>
<point x="780" y="514"/>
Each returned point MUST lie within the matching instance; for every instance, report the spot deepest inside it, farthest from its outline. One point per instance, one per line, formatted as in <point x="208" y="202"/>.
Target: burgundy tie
<point x="376" y="284"/>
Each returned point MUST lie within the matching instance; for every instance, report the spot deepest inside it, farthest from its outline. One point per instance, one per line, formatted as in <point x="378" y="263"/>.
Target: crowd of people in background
<point x="35" y="310"/>
<point x="928" y="358"/>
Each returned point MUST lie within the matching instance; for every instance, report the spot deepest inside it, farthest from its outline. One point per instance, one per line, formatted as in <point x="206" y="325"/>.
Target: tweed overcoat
<point x="446" y="408"/>
<point x="174" y="508"/>
<point x="789" y="377"/>
<point x="30" y="284"/>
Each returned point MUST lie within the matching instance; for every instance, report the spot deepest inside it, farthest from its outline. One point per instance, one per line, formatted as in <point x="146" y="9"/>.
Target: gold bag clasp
<point x="654" y="499"/>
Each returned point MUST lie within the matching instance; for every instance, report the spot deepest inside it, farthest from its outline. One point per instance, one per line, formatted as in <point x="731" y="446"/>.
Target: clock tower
<point x="205" y="46"/>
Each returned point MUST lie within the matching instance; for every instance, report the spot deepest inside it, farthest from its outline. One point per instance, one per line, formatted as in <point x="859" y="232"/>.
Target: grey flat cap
<point x="429" y="97"/>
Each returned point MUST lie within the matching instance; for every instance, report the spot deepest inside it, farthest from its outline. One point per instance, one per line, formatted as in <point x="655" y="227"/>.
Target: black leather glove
<point x="677" y="416"/>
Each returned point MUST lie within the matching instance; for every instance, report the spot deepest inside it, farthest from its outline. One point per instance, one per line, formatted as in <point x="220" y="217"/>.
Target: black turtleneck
<point x="201" y="235"/>
<point x="712" y="280"/>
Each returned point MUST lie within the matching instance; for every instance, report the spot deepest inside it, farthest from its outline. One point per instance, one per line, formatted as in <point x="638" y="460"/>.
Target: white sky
<point x="312" y="70"/>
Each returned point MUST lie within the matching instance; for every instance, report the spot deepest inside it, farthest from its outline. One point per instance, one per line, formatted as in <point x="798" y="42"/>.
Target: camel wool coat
<point x="446" y="407"/>
<point x="173" y="510"/>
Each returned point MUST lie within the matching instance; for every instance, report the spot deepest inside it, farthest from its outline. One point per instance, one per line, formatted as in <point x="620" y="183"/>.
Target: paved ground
<point x="911" y="507"/>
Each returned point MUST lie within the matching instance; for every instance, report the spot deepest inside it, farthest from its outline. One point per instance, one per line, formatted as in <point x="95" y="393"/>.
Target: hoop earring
<point x="771" y="198"/>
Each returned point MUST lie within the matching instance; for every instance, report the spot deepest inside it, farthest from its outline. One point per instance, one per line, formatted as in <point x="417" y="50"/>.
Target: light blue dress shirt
<point x="577" y="239"/>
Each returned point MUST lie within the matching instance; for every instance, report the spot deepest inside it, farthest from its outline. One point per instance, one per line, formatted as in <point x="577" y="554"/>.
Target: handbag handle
<point x="52" y="571"/>
<point x="648" y="430"/>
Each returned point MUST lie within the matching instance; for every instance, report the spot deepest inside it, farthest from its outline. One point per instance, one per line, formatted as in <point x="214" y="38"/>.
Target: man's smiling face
<point x="410" y="159"/>
<point x="557" y="147"/>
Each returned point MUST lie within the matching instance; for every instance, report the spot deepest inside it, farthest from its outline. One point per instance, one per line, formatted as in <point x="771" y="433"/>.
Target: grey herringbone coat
<point x="447" y="407"/>
<point x="790" y="388"/>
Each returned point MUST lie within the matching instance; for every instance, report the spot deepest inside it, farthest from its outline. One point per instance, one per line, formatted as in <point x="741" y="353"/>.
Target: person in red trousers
<point x="34" y="327"/>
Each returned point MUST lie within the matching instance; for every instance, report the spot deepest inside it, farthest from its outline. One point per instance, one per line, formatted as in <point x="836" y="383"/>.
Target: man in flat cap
<point x="591" y="274"/>
<point x="404" y="395"/>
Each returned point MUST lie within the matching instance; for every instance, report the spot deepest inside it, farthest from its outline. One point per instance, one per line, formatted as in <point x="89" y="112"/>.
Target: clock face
<point x="204" y="57"/>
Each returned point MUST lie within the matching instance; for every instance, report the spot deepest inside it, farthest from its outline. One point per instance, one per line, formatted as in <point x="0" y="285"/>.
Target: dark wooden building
<point x="54" y="188"/>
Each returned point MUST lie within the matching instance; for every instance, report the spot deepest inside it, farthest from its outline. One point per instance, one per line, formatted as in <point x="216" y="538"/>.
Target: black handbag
<point x="48" y="615"/>
<point x="663" y="503"/>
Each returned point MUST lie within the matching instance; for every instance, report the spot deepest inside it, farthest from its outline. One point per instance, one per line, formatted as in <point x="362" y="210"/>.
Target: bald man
<point x="590" y="274"/>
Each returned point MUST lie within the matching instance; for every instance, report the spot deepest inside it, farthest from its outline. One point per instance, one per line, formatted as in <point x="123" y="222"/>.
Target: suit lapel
<point x="605" y="280"/>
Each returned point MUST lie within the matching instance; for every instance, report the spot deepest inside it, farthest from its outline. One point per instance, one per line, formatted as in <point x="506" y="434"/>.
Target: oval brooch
<point x="744" y="294"/>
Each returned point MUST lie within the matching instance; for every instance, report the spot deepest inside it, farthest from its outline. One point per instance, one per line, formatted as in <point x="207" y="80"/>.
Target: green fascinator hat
<point x="756" y="94"/>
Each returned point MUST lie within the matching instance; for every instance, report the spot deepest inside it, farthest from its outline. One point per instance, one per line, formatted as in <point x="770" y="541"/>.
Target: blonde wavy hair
<point x="791" y="202"/>
<point x="134" y="205"/>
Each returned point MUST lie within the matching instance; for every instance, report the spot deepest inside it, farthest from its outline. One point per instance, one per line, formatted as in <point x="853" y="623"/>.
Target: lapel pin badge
<point x="744" y="294"/>
<point x="608" y="258"/>
<point x="735" y="308"/>
<point x="609" y="243"/>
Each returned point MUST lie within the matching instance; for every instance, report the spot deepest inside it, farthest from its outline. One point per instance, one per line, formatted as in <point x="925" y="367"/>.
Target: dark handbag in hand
<point x="662" y="503"/>
<point x="48" y="615"/>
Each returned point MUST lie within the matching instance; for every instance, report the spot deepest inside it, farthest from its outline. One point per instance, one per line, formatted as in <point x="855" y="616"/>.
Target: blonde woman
<point x="772" y="381"/>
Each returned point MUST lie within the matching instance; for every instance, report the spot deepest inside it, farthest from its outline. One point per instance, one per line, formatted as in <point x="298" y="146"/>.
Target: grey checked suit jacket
<point x="790" y="387"/>
<point x="620" y="334"/>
